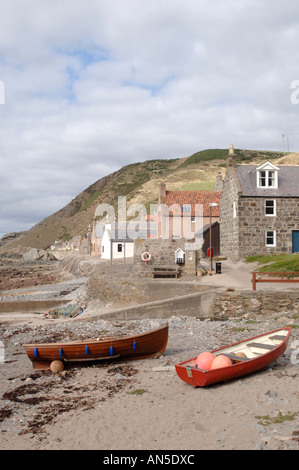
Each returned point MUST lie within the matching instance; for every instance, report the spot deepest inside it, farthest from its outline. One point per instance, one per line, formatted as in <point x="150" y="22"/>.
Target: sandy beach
<point x="143" y="405"/>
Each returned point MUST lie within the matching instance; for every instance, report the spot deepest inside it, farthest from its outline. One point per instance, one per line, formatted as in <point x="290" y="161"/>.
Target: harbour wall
<point x="212" y="304"/>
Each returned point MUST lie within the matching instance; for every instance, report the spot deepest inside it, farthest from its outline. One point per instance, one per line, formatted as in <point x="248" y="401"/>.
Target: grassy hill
<point x="139" y="183"/>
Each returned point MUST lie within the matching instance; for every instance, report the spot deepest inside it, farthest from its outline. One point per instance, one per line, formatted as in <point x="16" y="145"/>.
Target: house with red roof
<point x="182" y="214"/>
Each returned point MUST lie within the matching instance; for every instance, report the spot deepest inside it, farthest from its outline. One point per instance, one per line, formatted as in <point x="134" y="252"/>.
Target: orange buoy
<point x="221" y="361"/>
<point x="56" y="366"/>
<point x="241" y="354"/>
<point x="204" y="360"/>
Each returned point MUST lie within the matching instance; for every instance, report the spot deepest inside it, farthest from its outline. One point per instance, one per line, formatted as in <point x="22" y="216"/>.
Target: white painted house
<point x="115" y="244"/>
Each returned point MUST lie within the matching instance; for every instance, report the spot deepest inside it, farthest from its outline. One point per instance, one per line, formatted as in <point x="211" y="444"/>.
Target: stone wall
<point x="253" y="225"/>
<point x="162" y="253"/>
<point x="216" y="306"/>
<point x="229" y="225"/>
<point x="255" y="304"/>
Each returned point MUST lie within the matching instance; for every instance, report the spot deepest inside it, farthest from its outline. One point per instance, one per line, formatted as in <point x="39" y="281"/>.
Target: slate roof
<point x="288" y="182"/>
<point x="185" y="198"/>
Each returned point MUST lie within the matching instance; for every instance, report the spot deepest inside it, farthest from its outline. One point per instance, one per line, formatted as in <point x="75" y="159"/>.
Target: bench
<point x="160" y="271"/>
<point x="261" y="346"/>
<point x="234" y="357"/>
<point x="277" y="337"/>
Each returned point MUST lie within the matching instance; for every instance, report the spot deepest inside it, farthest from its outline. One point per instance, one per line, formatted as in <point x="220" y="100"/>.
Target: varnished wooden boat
<point x="260" y="351"/>
<point x="138" y="346"/>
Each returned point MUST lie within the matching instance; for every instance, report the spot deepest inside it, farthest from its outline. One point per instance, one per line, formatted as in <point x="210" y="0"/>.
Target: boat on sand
<point x="138" y="346"/>
<point x="246" y="357"/>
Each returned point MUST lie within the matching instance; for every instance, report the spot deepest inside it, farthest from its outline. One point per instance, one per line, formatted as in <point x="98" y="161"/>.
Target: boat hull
<point x="200" y="378"/>
<point x="139" y="346"/>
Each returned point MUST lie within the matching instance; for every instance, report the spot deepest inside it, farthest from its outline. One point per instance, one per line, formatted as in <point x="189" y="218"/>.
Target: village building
<point x="207" y="239"/>
<point x="96" y="237"/>
<point x="116" y="244"/>
<point x="259" y="209"/>
<point x="181" y="214"/>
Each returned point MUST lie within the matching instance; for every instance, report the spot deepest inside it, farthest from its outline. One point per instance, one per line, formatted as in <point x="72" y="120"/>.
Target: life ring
<point x="146" y="256"/>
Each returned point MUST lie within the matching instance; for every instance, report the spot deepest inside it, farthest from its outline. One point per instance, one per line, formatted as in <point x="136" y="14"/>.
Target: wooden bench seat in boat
<point x="277" y="337"/>
<point x="234" y="357"/>
<point x="261" y="346"/>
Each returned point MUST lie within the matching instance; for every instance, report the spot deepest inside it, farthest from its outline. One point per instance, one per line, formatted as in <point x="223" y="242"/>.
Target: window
<point x="186" y="208"/>
<point x="267" y="179"/>
<point x="270" y="207"/>
<point x="270" y="238"/>
<point x="267" y="175"/>
<point x="234" y="209"/>
<point x="119" y="247"/>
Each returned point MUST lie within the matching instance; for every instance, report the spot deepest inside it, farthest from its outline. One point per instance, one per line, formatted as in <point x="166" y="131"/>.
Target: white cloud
<point x="91" y="86"/>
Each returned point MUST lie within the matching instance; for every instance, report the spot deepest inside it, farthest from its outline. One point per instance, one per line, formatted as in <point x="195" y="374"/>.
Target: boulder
<point x="38" y="255"/>
<point x="31" y="255"/>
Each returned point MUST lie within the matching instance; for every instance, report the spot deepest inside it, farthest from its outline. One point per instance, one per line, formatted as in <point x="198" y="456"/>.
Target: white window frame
<point x="234" y="209"/>
<point x="268" y="236"/>
<point x="269" y="175"/>
<point x="274" y="207"/>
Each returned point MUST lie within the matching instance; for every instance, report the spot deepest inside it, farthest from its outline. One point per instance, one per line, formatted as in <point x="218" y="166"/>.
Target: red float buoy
<point x="204" y="360"/>
<point x="221" y="361"/>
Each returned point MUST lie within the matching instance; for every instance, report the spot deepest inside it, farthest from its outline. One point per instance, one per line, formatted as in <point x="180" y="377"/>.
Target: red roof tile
<point x="192" y="198"/>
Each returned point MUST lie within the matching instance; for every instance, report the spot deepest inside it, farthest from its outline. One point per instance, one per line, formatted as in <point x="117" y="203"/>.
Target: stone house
<point x="259" y="209"/>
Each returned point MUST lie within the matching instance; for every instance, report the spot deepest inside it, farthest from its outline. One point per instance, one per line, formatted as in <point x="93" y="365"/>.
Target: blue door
<point x="295" y="241"/>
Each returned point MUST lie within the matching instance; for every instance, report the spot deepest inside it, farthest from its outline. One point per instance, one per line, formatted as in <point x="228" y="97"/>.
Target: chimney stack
<point x="162" y="193"/>
<point x="231" y="160"/>
<point x="219" y="182"/>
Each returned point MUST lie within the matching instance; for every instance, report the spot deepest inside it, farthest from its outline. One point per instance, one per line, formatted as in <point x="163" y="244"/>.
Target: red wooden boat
<point x="260" y="351"/>
<point x="139" y="346"/>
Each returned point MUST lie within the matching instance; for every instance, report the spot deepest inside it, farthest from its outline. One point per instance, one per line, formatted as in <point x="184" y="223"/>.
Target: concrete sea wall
<point x="213" y="304"/>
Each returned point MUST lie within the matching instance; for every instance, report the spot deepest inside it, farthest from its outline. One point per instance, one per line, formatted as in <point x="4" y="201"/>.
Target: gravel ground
<point x="37" y="406"/>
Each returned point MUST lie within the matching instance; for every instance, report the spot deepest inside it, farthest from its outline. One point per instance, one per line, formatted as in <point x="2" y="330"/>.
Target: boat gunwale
<point x="106" y="340"/>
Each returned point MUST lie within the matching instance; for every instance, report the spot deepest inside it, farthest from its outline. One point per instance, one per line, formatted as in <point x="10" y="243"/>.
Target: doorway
<point x="295" y="241"/>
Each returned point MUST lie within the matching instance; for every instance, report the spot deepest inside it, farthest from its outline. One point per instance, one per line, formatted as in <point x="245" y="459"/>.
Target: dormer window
<point x="267" y="176"/>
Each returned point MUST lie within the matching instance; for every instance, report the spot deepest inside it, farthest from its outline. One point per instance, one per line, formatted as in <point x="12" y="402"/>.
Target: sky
<point x="88" y="87"/>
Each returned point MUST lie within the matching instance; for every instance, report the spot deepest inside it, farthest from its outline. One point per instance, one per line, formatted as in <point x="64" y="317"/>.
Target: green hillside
<point x="243" y="156"/>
